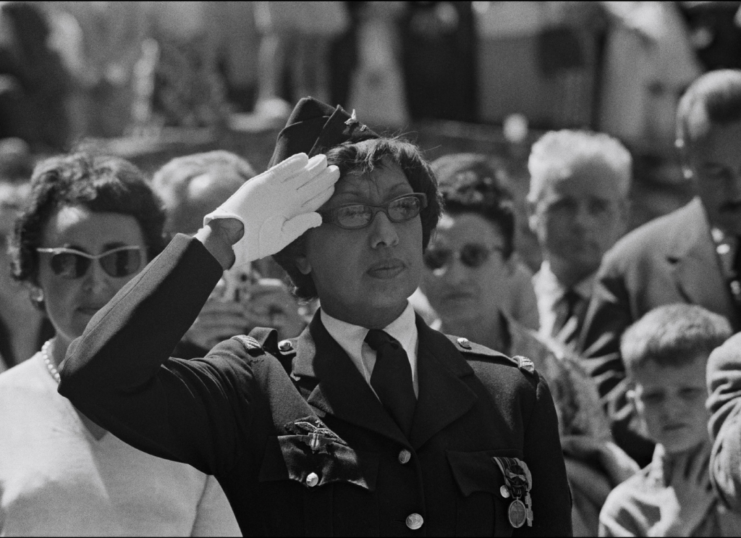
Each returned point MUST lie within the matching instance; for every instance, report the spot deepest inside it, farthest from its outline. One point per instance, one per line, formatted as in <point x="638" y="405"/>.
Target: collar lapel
<point x="341" y="390"/>
<point x="695" y="262"/>
<point x="443" y="394"/>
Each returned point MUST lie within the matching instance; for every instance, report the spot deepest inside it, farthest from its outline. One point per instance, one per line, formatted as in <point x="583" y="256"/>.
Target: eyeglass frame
<point x="455" y="254"/>
<point x="328" y="215"/>
<point x="92" y="257"/>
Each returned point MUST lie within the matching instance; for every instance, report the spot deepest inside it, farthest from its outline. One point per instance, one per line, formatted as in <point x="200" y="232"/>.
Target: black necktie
<point x="567" y="325"/>
<point x="392" y="378"/>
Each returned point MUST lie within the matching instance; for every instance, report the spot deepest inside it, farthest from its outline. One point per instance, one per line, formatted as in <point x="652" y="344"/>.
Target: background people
<point x="91" y="225"/>
<point x="666" y="354"/>
<point x="191" y="187"/>
<point x="578" y="209"/>
<point x="469" y="267"/>
<point x="687" y="256"/>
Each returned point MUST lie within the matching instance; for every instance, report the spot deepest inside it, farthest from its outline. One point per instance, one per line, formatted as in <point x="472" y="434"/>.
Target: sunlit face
<point x="578" y="218"/>
<point x="70" y="303"/>
<point x="670" y="400"/>
<point x="715" y="161"/>
<point x="456" y="291"/>
<point x="365" y="276"/>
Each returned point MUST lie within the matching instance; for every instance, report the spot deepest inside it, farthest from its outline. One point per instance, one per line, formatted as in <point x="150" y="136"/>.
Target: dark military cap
<point x="315" y="127"/>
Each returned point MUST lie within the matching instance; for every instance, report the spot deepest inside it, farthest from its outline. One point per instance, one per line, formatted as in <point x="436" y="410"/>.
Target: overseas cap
<point x="315" y="127"/>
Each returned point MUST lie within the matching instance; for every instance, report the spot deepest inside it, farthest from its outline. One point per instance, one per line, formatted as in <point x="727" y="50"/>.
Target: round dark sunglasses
<point x="70" y="263"/>
<point x="356" y="216"/>
<point x="471" y="255"/>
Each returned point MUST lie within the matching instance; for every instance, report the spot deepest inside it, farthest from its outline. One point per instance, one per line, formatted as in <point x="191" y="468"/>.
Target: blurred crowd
<point x="624" y="325"/>
<point x="70" y="70"/>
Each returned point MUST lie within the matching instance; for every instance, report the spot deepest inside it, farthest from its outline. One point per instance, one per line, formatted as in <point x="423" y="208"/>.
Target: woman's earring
<point x="37" y="295"/>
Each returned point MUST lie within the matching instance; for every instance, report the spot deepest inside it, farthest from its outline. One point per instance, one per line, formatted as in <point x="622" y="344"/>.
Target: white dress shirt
<point x="351" y="338"/>
<point x="549" y="291"/>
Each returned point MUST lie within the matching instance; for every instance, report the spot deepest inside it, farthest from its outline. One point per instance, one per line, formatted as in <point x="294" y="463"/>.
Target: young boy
<point x="665" y="354"/>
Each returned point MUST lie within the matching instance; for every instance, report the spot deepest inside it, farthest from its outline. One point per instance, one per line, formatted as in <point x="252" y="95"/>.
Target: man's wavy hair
<point x="362" y="158"/>
<point x="102" y="184"/>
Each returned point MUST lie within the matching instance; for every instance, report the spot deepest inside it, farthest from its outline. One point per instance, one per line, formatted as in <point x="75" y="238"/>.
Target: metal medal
<point x="517" y="513"/>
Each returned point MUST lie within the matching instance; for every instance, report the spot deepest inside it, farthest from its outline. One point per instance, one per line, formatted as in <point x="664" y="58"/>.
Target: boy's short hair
<point x="673" y="335"/>
<point x="557" y="154"/>
<point x="718" y="93"/>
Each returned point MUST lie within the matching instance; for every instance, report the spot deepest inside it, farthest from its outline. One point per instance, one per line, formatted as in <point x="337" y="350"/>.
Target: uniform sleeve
<point x="550" y="489"/>
<point x="724" y="381"/>
<point x="118" y="372"/>
<point x="608" y="316"/>
<point x="214" y="516"/>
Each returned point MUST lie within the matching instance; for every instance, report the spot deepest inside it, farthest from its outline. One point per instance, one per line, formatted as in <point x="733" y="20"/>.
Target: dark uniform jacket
<point x="311" y="451"/>
<point x="669" y="260"/>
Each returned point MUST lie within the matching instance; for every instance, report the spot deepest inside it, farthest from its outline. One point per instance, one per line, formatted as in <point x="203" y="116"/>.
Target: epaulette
<point x="465" y="346"/>
<point x="252" y="346"/>
<point x="267" y="340"/>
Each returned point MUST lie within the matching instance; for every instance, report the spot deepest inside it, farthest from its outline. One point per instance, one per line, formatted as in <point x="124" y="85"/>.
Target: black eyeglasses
<point x="471" y="255"/>
<point x="356" y="216"/>
<point x="118" y="262"/>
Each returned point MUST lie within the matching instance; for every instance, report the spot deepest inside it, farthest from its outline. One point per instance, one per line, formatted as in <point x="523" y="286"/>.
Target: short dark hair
<point x="102" y="184"/>
<point x="476" y="183"/>
<point x="718" y="93"/>
<point x="673" y="335"/>
<point x="361" y="158"/>
<point x="172" y="180"/>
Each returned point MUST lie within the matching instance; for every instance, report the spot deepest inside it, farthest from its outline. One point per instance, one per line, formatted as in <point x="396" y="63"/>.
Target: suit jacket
<point x="294" y="434"/>
<point x="724" y="382"/>
<point x="669" y="260"/>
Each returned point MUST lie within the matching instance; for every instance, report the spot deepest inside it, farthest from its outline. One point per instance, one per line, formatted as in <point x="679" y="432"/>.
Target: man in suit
<point x="370" y="423"/>
<point x="691" y="255"/>
<point x="578" y="209"/>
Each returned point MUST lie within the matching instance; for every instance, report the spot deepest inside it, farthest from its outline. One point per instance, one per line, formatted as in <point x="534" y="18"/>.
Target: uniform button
<point x="504" y="491"/>
<point x="464" y="343"/>
<point x="312" y="480"/>
<point x="415" y="521"/>
<point x="404" y="456"/>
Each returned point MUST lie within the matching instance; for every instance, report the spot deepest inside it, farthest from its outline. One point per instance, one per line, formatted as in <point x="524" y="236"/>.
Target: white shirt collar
<point x="549" y="291"/>
<point x="351" y="338"/>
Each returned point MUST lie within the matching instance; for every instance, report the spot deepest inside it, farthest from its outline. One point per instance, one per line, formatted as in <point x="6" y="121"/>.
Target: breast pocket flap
<point x="476" y="471"/>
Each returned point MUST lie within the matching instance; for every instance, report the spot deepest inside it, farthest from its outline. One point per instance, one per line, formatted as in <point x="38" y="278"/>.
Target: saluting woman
<point x="370" y="423"/>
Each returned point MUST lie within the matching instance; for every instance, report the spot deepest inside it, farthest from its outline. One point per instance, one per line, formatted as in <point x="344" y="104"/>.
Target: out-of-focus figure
<point x="191" y="187"/>
<point x="666" y="355"/>
<point x="188" y="90"/>
<point x="102" y="45"/>
<point x="578" y="206"/>
<point x="33" y="81"/>
<point x="377" y="83"/>
<point x="23" y="328"/>
<point x="690" y="255"/>
<point x="648" y="63"/>
<point x="296" y="37"/>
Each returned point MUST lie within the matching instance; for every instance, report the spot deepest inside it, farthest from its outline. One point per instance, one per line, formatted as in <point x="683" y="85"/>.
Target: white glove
<point x="279" y="205"/>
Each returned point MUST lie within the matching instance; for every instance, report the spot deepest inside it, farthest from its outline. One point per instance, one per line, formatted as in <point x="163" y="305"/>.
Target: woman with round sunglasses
<point x="91" y="225"/>
<point x="469" y="268"/>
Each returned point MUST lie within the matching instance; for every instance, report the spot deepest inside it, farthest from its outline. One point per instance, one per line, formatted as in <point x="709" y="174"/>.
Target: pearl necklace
<point x="47" y="360"/>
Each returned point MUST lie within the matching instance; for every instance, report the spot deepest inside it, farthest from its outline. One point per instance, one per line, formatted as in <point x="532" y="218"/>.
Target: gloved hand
<point x="279" y="205"/>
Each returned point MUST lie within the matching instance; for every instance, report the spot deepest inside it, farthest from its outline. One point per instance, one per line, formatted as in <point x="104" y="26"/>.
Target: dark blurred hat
<point x="315" y="127"/>
<point x="16" y="160"/>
